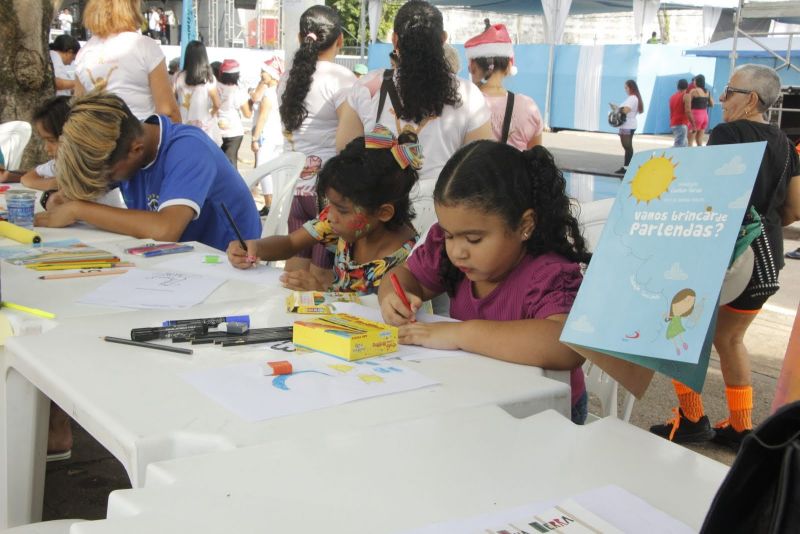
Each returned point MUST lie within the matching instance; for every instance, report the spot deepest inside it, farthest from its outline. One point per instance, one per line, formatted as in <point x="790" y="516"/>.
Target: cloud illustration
<point x="734" y="166"/>
<point x="582" y="324"/>
<point x="675" y="273"/>
<point x="740" y="202"/>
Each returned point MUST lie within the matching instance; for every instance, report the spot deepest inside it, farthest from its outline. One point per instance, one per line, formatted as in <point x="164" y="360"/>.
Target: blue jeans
<point x="580" y="409"/>
<point x="680" y="133"/>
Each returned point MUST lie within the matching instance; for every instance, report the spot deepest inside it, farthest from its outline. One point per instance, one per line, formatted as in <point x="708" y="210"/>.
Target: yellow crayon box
<point x="317" y="302"/>
<point x="345" y="336"/>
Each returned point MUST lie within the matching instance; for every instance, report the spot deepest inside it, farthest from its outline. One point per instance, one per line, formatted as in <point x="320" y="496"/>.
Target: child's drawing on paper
<point x="682" y="306"/>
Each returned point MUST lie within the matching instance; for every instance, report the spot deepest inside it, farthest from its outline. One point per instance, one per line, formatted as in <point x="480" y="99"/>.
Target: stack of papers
<point x="61" y="255"/>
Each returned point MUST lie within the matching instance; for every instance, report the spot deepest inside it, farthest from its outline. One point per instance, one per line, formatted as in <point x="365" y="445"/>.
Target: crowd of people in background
<point x="465" y="145"/>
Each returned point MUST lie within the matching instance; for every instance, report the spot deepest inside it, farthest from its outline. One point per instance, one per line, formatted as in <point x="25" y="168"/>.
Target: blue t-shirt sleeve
<point x="189" y="173"/>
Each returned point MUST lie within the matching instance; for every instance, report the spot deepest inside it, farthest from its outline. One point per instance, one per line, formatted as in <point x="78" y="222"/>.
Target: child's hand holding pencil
<point x="399" y="307"/>
<point x="243" y="257"/>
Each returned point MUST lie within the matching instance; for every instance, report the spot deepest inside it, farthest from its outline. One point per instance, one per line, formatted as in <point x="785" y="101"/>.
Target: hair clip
<point x="311" y="36"/>
<point x="404" y="153"/>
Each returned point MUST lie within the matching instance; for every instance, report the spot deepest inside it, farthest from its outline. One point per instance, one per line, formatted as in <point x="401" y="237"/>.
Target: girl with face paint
<point x="367" y="220"/>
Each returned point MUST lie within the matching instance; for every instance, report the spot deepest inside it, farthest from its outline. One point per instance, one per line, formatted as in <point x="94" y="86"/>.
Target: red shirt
<point x="677" y="110"/>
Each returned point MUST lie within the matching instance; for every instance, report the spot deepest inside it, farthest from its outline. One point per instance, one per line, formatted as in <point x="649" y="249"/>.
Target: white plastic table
<point x="136" y="405"/>
<point x="409" y="474"/>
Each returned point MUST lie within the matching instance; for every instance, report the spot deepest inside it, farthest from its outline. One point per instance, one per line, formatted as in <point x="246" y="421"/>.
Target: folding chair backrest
<point x="14" y="136"/>
<point x="285" y="169"/>
<point x="606" y="389"/>
<point x="592" y="218"/>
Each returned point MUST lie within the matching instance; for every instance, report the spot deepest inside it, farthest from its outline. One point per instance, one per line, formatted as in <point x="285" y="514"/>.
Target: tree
<point x="26" y="76"/>
<point x="350" y="11"/>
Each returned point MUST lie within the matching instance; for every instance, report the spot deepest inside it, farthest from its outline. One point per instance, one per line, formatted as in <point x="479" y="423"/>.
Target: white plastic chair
<point x="606" y="389"/>
<point x="592" y="218"/>
<point x="14" y="136"/>
<point x="285" y="170"/>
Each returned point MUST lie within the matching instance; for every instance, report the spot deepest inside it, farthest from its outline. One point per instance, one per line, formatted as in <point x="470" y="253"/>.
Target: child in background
<point x="507" y="251"/>
<point x="233" y="104"/>
<point x="196" y="91"/>
<point x="515" y="117"/>
<point x="367" y="223"/>
<point x="267" y="131"/>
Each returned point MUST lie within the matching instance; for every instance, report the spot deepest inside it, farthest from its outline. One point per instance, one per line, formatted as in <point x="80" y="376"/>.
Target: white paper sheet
<point x="319" y="381"/>
<point x="404" y="352"/>
<point x="194" y="263"/>
<point x="611" y="504"/>
<point x="140" y="288"/>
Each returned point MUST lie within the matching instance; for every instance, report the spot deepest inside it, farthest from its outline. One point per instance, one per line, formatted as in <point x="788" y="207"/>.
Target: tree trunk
<point x="26" y="74"/>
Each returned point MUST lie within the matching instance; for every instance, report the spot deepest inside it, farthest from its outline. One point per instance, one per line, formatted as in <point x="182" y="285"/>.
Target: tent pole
<point x="735" y="35"/>
<point x="361" y="26"/>
<point x="549" y="89"/>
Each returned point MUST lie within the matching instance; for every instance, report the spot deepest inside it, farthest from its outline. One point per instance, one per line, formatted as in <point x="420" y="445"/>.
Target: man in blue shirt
<point x="172" y="176"/>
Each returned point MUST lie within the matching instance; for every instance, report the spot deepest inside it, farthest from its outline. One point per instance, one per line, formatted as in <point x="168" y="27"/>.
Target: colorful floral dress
<point x="362" y="278"/>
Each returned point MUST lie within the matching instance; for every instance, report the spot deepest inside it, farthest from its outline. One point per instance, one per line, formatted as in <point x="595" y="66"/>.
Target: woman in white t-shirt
<point x="632" y="106"/>
<point x="196" y="91"/>
<point x="311" y="99"/>
<point x="444" y="111"/>
<point x="62" y="53"/>
<point x="234" y="104"/>
<point x="124" y="62"/>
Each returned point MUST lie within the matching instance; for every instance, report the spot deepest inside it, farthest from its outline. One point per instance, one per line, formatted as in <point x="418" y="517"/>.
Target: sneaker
<point x="795" y="254"/>
<point x="621" y="170"/>
<point x="263" y="212"/>
<point x="681" y="430"/>
<point x="725" y="434"/>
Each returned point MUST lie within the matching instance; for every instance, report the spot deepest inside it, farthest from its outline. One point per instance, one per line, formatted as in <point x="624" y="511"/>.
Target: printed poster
<point x="651" y="289"/>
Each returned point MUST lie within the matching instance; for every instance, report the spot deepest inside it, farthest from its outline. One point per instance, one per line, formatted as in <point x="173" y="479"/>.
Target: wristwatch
<point x="45" y="196"/>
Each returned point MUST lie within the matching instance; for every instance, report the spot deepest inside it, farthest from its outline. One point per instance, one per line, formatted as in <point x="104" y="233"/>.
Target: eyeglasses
<point x="728" y="90"/>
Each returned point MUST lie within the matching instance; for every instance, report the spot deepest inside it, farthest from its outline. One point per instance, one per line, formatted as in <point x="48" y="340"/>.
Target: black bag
<point x="616" y="117"/>
<point x="761" y="493"/>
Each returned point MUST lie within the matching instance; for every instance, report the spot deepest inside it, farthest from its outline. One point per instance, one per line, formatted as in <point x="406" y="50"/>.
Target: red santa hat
<point x="229" y="66"/>
<point x="273" y="66"/>
<point x="494" y="42"/>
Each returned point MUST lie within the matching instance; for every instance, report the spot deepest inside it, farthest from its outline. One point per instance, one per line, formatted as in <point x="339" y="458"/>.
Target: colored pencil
<point x="82" y="274"/>
<point x="33" y="311"/>
<point x="143" y="344"/>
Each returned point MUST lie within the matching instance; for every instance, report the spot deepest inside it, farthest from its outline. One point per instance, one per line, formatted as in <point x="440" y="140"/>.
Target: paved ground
<point x="79" y="488"/>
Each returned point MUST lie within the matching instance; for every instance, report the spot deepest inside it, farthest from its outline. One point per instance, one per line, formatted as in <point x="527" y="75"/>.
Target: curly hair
<point x="496" y="178"/>
<point x="320" y="27"/>
<point x="424" y="81"/>
<point x="371" y="177"/>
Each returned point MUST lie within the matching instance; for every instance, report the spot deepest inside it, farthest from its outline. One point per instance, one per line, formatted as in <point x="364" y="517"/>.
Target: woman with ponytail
<point x="507" y="250"/>
<point x="311" y="99"/>
<point x="421" y="96"/>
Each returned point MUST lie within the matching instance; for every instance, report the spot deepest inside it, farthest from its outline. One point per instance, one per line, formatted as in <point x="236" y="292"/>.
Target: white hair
<point x="764" y="81"/>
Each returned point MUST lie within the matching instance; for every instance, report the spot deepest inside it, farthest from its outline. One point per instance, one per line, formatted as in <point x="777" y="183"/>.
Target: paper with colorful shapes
<point x="650" y="292"/>
<point x="318" y="381"/>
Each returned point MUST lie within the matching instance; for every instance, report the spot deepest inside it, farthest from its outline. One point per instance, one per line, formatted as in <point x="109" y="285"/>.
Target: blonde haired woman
<point x="124" y="62"/>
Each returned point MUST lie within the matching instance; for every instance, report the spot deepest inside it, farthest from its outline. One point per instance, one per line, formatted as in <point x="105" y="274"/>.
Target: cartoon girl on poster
<point x="681" y="307"/>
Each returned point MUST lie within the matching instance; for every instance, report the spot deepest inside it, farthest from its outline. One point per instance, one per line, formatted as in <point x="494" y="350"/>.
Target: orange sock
<point x="740" y="405"/>
<point x="690" y="401"/>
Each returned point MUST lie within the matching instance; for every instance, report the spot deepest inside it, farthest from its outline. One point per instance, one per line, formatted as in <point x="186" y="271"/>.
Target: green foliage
<point x="350" y="11"/>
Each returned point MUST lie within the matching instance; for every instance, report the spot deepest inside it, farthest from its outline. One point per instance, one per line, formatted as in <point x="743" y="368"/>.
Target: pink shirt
<point x="526" y="120"/>
<point x="539" y="287"/>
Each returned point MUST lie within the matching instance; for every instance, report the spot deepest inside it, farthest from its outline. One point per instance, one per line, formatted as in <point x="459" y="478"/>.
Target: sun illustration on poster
<point x="653" y="179"/>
